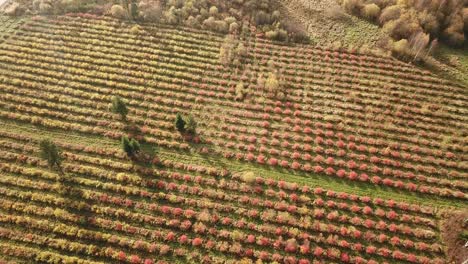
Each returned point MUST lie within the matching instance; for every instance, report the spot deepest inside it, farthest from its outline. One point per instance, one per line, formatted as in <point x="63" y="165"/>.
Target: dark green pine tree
<point x="135" y="146"/>
<point x="130" y="146"/>
<point x="180" y="123"/>
<point x="191" y="125"/>
<point x="126" y="146"/>
<point x="50" y="153"/>
<point x="119" y="107"/>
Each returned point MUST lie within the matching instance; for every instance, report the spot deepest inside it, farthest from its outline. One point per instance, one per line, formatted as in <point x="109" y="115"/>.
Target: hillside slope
<point x="324" y="28"/>
<point x="350" y="164"/>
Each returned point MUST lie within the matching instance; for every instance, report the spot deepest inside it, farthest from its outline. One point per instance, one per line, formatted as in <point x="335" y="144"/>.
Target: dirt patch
<point x="452" y="226"/>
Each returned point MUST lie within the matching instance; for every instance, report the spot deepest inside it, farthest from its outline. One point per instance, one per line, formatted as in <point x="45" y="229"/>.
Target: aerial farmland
<point x="246" y="131"/>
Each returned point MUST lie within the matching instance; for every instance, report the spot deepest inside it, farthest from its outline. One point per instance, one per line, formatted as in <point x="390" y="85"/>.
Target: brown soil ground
<point x="453" y="224"/>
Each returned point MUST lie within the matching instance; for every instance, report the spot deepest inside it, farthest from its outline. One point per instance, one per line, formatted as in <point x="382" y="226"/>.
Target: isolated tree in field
<point x="50" y="153"/>
<point x="126" y="145"/>
<point x="135" y="30"/>
<point x="241" y="50"/>
<point x="232" y="51"/>
<point x="130" y="146"/>
<point x="191" y="125"/>
<point x="248" y="177"/>
<point x="135" y="145"/>
<point x="240" y="91"/>
<point x="119" y="107"/>
<point x="180" y="123"/>
<point x="261" y="82"/>
<point x="224" y="55"/>
<point x="272" y="83"/>
<point x="226" y="51"/>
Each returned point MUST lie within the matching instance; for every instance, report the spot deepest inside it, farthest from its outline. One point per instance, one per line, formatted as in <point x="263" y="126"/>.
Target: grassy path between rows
<point x="311" y="179"/>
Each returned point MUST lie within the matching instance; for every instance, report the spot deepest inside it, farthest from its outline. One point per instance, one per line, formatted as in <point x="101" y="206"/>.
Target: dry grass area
<point x="326" y="25"/>
<point x="454" y="62"/>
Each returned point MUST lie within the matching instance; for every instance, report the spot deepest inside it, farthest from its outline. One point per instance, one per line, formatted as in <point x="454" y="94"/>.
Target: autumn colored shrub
<point x="197" y="241"/>
<point x="121" y="256"/>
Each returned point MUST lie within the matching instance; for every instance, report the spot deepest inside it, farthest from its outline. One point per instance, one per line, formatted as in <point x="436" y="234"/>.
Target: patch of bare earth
<point x="452" y="226"/>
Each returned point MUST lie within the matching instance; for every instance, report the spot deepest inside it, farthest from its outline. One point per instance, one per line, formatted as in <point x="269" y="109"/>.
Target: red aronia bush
<point x="197" y="241"/>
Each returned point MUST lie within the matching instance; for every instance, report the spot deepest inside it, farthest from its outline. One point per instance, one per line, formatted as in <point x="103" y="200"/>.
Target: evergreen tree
<point x="130" y="146"/>
<point x="180" y="123"/>
<point x="191" y="125"/>
<point x="119" y="107"/>
<point x="126" y="146"/>
<point x="51" y="153"/>
<point x="135" y="145"/>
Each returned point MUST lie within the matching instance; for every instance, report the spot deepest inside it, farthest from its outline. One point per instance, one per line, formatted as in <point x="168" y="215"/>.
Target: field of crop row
<point x="118" y="211"/>
<point x="351" y="116"/>
<point x="346" y="120"/>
